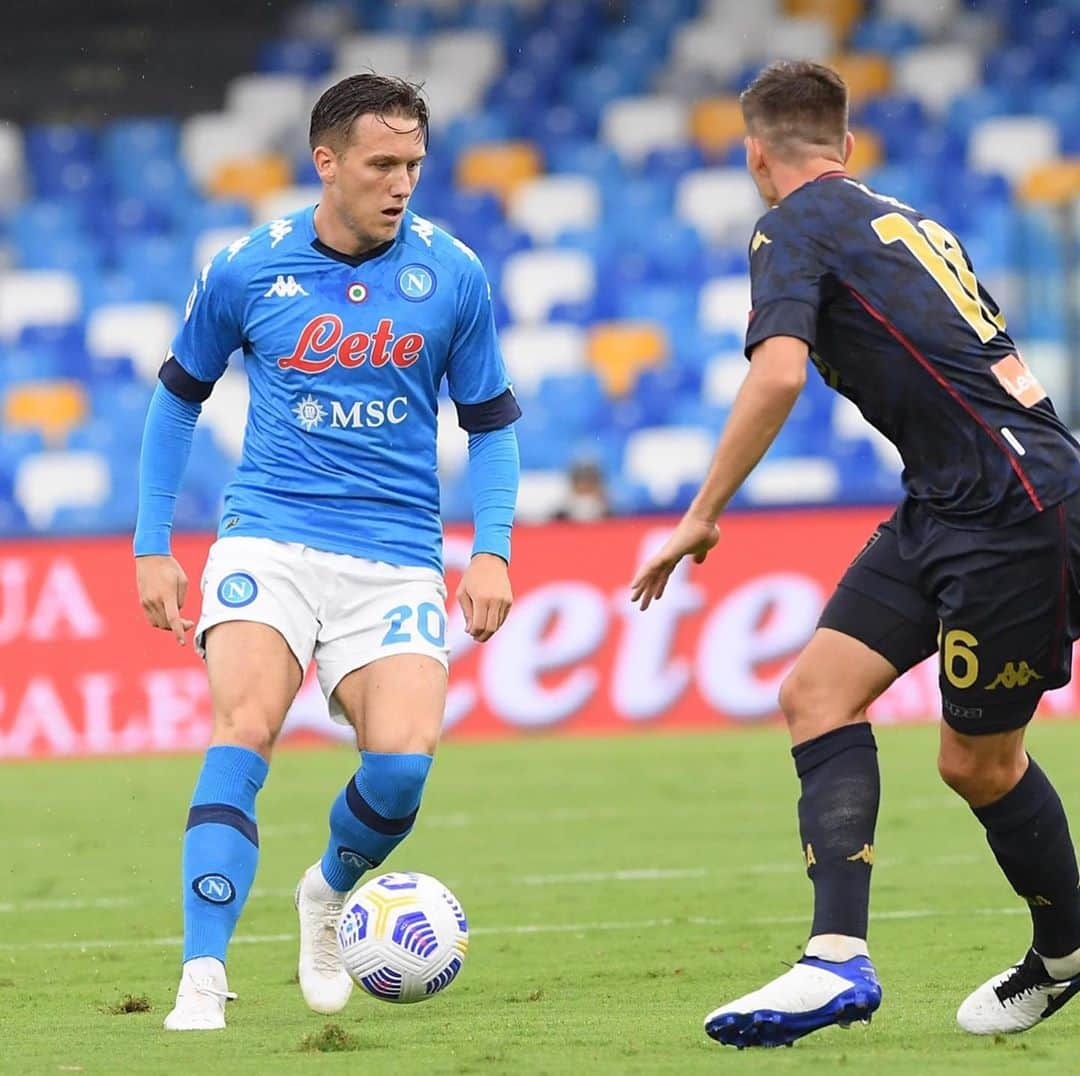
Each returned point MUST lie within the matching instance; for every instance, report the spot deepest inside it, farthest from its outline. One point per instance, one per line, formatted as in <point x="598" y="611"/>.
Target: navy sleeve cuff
<point x="782" y="317"/>
<point x="180" y="383"/>
<point x="490" y="415"/>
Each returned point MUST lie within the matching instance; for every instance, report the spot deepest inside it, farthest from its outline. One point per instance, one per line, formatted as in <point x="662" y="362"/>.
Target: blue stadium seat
<point x="295" y="57"/>
<point x="895" y="118"/>
<point x="971" y="108"/>
<point x="882" y="34"/>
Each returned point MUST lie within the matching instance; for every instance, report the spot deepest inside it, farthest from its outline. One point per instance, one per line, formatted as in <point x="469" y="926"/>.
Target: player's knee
<point x="811" y="708"/>
<point x="393" y="784"/>
<point x="247" y="725"/>
<point x="978" y="777"/>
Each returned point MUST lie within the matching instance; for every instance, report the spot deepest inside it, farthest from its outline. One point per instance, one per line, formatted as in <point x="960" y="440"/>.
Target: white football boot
<point x="1015" y="1000"/>
<point x="814" y="994"/>
<point x="324" y="982"/>
<point x="201" y="997"/>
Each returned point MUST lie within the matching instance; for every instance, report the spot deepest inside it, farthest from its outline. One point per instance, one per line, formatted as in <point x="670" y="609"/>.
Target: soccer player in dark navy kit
<point x="978" y="562"/>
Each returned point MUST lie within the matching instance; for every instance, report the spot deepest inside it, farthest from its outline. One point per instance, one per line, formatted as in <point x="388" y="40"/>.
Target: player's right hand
<point x="692" y="538"/>
<point x="162" y="588"/>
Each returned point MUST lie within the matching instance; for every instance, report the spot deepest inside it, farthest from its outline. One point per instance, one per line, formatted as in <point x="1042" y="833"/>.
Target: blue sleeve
<point x="785" y="283"/>
<point x="494" y="468"/>
<point x="475" y="372"/>
<point x="213" y="320"/>
<point x="170" y="424"/>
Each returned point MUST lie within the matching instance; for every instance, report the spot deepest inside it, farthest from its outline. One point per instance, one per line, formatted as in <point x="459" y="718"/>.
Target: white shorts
<point x="345" y="612"/>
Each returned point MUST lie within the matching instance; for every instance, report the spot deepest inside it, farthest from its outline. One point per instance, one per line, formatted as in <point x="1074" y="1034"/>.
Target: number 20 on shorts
<point x="430" y="622"/>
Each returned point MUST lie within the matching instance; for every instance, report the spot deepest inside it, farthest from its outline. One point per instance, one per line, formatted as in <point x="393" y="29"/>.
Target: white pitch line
<point x="172" y="941"/>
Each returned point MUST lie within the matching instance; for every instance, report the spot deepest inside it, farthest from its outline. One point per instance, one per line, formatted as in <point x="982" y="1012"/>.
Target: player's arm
<point x="487" y="409"/>
<point x="785" y="291"/>
<point x="196" y="360"/>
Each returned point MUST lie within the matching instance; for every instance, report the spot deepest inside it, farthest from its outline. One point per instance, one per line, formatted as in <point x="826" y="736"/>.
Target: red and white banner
<point x="82" y="673"/>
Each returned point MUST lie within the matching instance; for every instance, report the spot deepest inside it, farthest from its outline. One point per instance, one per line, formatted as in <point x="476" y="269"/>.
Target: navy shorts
<point x="1002" y="607"/>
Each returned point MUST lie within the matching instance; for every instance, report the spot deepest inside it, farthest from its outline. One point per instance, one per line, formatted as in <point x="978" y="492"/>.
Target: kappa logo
<point x="760" y="239"/>
<point x="423" y="228"/>
<point x="1015" y="674"/>
<point x="285" y="287"/>
<point x="863" y="855"/>
<point x="279" y="229"/>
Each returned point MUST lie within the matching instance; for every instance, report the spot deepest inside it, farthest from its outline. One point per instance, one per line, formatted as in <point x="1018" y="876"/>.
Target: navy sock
<point x="372" y="815"/>
<point x="838" y="810"/>
<point x="1029" y="835"/>
<point x="221" y="848"/>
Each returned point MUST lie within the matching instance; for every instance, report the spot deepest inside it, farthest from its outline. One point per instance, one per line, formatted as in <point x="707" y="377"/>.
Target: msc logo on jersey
<point x="215" y="888"/>
<point x="310" y="413"/>
<point x="358" y="415"/>
<point x="415" y="283"/>
<point x="237" y="590"/>
<point x="323" y="342"/>
<point x="285" y="287"/>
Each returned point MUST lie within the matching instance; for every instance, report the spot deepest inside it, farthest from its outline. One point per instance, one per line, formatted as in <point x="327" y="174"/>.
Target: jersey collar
<point x="339" y="256"/>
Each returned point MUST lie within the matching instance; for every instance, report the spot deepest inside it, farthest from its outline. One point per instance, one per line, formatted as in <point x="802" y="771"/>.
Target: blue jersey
<point x="344" y="358"/>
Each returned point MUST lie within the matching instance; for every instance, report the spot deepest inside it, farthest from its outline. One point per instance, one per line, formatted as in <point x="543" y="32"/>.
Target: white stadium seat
<point x="285" y="201"/>
<point x="722" y="203"/>
<point x="455" y="94"/>
<point x="547" y="206"/>
<point x="540" y="495"/>
<point x="276" y="104"/>
<point x="142" y="332"/>
<point x="723" y="378"/>
<point x="724" y="304"/>
<point x="386" y="54"/>
<point x="225" y="412"/>
<point x="797" y="480"/>
<point x="533" y="352"/>
<point x="536" y="280"/>
<point x="209" y="139"/>
<point x="1013" y="145"/>
<point x="935" y="74"/>
<point x="739" y="12"/>
<point x="12" y="166"/>
<point x="47" y="481"/>
<point x="476" y="54"/>
<point x="634" y="126"/>
<point x="931" y="16"/>
<point x="209" y="242"/>
<point x="663" y="458"/>
<point x="453" y="442"/>
<point x="37" y="297"/>
<point x="798" y="39"/>
<point x="713" y="49"/>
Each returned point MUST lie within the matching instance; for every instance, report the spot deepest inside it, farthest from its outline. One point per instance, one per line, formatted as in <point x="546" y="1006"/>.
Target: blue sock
<point x="221" y="848"/>
<point x="372" y="815"/>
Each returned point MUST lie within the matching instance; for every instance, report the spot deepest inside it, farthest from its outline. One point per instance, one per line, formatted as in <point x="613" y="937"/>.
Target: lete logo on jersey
<point x="325" y="336"/>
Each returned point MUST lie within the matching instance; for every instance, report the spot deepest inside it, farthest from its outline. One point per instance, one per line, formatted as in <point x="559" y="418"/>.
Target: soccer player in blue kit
<point x="980" y="560"/>
<point x="349" y="315"/>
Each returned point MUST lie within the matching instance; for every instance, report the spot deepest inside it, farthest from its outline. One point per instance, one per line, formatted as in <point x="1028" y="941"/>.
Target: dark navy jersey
<point x="897" y="322"/>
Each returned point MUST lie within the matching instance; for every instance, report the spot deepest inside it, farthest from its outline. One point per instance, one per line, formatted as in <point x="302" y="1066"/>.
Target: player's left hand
<point x="485" y="595"/>
<point x="693" y="537"/>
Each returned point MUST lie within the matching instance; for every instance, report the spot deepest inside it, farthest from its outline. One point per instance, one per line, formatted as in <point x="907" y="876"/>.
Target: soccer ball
<point x="403" y="937"/>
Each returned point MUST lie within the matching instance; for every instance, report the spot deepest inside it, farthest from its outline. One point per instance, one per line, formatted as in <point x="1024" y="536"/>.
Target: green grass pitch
<point x="617" y="891"/>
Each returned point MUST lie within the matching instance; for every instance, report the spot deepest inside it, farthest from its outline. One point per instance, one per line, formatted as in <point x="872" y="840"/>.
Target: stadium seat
<point x="285" y="201"/>
<point x="533" y="352"/>
<point x="535" y="280"/>
<point x="139" y="331"/>
<point x="541" y="494"/>
<point x="1056" y="182"/>
<point x="710" y="49"/>
<point x="295" y="56"/>
<point x="868" y="152"/>
<point x="722" y="203"/>
<point x="387" y="54"/>
<point x="209" y="139"/>
<point x="476" y="55"/>
<point x="498" y="167"/>
<point x="636" y="125"/>
<point x="723" y="378"/>
<point x="932" y="17"/>
<point x="225" y="412"/>
<point x="888" y="35"/>
<point x="275" y="103"/>
<point x="250" y="179"/>
<point x="12" y="166"/>
<point x="866" y="74"/>
<point x="452" y="444"/>
<point x="847" y="424"/>
<point x="206" y="244"/>
<point x="53" y="407"/>
<point x="716" y="125"/>
<point x="1013" y="145"/>
<point x="724" y="305"/>
<point x="793" y="480"/>
<point x="619" y="350"/>
<point x="801" y="38"/>
<point x="37" y="297"/>
<point x="841" y="15"/>
<point x="50" y="480"/>
<point x="549" y="205"/>
<point x="935" y="74"/>
<point x="663" y="459"/>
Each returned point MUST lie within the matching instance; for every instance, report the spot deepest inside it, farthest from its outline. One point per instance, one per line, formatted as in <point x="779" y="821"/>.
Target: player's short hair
<point x="797" y="106"/>
<point x="340" y="106"/>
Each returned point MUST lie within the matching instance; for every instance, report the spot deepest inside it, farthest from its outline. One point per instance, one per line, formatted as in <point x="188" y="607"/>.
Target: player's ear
<point x="325" y="163"/>
<point x="755" y="156"/>
<point x="849" y="145"/>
